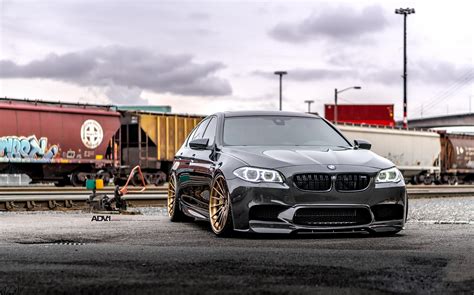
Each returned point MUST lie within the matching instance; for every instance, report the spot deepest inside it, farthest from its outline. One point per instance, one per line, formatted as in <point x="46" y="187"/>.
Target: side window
<point x="199" y="131"/>
<point x="211" y="131"/>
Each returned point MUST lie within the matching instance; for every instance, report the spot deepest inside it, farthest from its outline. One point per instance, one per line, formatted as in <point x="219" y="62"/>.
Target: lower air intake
<point x="332" y="216"/>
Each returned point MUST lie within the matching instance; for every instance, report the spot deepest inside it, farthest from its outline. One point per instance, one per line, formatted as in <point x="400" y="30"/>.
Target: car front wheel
<point x="220" y="212"/>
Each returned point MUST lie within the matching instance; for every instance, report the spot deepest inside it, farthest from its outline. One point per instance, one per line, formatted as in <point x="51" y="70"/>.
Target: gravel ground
<point x="442" y="209"/>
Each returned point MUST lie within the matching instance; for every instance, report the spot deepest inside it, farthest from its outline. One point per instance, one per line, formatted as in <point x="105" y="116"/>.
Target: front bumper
<point x="374" y="200"/>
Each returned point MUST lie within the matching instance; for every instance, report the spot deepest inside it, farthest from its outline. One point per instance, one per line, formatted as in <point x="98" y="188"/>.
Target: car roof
<point x="267" y="113"/>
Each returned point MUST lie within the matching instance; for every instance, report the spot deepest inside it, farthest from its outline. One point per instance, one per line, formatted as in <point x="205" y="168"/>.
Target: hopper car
<point x="423" y="156"/>
<point x="67" y="143"/>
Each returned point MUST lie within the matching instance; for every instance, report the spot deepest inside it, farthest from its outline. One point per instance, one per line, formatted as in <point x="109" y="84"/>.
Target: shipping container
<point x="374" y="114"/>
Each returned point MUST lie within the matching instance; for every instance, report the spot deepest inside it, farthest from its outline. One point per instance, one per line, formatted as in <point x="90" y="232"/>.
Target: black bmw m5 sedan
<point x="282" y="172"/>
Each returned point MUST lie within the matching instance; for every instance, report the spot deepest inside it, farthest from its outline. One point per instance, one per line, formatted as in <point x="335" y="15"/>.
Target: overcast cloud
<point x="203" y="56"/>
<point x="336" y="23"/>
<point x="132" y="69"/>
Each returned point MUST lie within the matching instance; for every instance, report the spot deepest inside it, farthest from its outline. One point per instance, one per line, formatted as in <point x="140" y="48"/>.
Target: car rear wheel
<point x="174" y="212"/>
<point x="220" y="212"/>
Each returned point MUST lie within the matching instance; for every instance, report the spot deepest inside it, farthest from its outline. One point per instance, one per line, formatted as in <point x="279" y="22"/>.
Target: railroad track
<point x="72" y="198"/>
<point x="52" y="198"/>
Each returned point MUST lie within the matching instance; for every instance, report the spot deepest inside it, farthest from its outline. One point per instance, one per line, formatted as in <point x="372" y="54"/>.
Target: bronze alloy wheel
<point x="219" y="207"/>
<point x="172" y="196"/>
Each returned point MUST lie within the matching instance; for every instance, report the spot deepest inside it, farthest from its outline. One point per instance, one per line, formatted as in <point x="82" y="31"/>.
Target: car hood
<point x="278" y="157"/>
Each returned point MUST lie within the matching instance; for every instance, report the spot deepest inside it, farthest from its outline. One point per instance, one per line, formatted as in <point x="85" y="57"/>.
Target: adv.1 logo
<point x="91" y="134"/>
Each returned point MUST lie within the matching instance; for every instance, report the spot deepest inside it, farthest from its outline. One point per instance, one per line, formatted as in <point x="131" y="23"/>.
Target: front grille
<point x="312" y="181"/>
<point x="265" y="212"/>
<point x="332" y="216"/>
<point x="352" y="182"/>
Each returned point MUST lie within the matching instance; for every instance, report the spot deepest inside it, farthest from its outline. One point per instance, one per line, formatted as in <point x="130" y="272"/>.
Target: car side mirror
<point x="199" y="144"/>
<point x="362" y="144"/>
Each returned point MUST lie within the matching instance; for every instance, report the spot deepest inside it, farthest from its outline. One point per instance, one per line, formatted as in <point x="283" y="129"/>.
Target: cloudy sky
<point x="207" y="56"/>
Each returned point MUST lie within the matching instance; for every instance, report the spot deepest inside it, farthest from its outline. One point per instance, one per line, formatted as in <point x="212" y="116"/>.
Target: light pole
<point x="336" y="92"/>
<point x="405" y="12"/>
<point x="309" y="102"/>
<point x="280" y="73"/>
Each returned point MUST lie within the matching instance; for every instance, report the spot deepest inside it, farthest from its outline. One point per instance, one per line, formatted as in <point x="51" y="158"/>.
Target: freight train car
<point x="68" y="143"/>
<point x="457" y="158"/>
<point x="60" y="142"/>
<point x="416" y="153"/>
<point x="151" y="140"/>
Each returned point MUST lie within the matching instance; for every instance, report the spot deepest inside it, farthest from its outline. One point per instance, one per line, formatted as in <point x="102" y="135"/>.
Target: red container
<point x="379" y="114"/>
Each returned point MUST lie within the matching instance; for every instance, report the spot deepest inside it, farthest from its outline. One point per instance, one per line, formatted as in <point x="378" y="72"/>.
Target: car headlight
<point x="258" y="175"/>
<point x="389" y="175"/>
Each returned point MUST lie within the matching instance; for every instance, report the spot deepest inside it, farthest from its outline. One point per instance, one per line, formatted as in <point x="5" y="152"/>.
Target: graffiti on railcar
<point x="26" y="149"/>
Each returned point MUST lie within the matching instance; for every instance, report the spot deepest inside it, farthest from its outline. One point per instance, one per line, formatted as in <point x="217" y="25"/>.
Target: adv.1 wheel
<point x="174" y="211"/>
<point x="220" y="212"/>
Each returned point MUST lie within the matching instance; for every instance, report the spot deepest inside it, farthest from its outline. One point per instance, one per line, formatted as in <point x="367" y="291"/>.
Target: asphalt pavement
<point x="70" y="253"/>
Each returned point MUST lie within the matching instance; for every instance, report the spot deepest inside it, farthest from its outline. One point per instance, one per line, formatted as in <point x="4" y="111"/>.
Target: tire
<point x="220" y="211"/>
<point x="174" y="210"/>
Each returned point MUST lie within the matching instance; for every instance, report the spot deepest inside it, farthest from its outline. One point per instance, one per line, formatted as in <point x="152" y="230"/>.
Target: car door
<point x="202" y="167"/>
<point x="183" y="159"/>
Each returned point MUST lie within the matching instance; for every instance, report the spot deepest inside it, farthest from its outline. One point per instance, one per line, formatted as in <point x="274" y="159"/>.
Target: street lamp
<point x="336" y="92"/>
<point x="309" y="102"/>
<point x="280" y="73"/>
<point x="405" y="12"/>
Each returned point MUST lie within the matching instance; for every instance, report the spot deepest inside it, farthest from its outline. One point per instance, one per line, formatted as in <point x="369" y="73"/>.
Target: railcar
<point x="67" y="143"/>
<point x="415" y="152"/>
<point x="457" y="158"/>
<point x="60" y="142"/>
<point x="151" y="139"/>
<point x="423" y="156"/>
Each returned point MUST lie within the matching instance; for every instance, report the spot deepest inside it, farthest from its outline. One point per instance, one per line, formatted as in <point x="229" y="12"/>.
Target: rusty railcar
<point x="457" y="157"/>
<point x="61" y="142"/>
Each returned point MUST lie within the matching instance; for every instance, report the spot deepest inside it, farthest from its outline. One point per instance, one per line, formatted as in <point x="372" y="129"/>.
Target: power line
<point x="437" y="96"/>
<point x="450" y="92"/>
<point x="456" y="86"/>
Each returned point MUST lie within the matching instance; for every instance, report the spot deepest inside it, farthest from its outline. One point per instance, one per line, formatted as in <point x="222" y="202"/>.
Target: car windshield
<point x="280" y="131"/>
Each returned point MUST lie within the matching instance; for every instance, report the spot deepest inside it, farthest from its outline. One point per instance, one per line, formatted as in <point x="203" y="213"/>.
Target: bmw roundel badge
<point x="331" y="167"/>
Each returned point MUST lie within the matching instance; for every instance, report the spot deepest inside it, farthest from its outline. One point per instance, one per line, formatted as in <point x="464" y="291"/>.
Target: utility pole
<point x="309" y="102"/>
<point x="280" y="73"/>
<point x="405" y="12"/>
